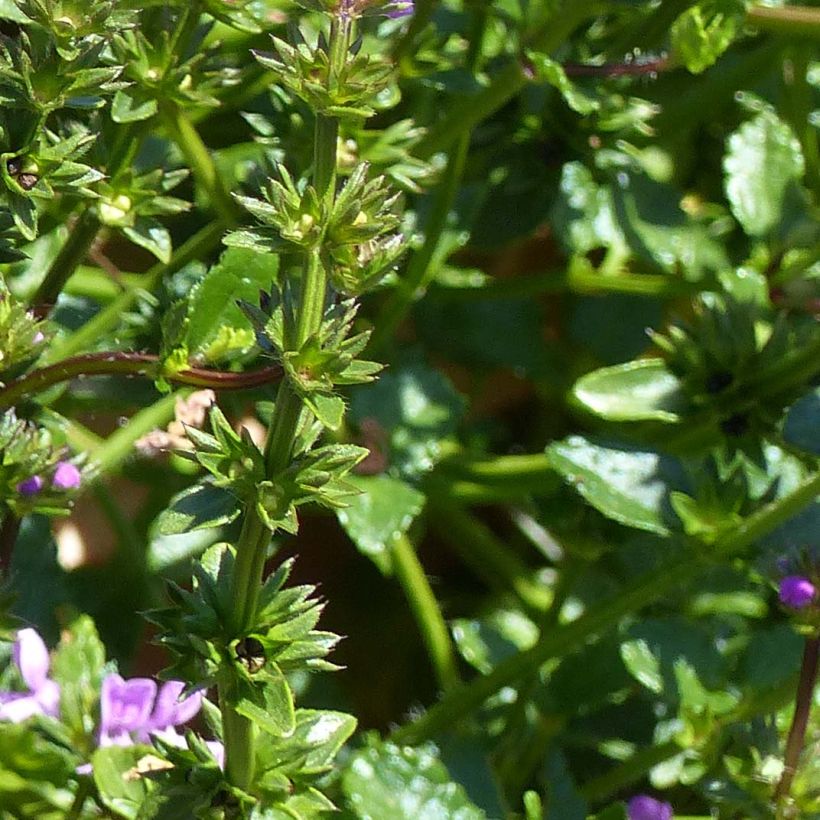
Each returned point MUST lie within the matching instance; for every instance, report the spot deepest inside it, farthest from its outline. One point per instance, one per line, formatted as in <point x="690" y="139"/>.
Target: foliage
<point x="495" y="322"/>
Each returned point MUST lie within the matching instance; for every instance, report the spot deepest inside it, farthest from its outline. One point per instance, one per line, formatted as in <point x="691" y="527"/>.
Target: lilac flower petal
<point x="31" y="657"/>
<point x="48" y="696"/>
<point x="169" y="710"/>
<point x="31" y="486"/>
<point x="66" y="476"/>
<point x="797" y="592"/>
<point x="125" y="705"/>
<point x="643" y="807"/>
<point x="17" y="707"/>
<point x="217" y="749"/>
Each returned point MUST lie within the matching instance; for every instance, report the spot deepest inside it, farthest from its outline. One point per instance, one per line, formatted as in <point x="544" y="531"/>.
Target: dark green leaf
<point x="383" y="510"/>
<point x="404" y="784"/>
<point x="629" y="485"/>
<point x="195" y="508"/>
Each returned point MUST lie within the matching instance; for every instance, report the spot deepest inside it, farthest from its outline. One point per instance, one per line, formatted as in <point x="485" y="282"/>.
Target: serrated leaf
<point x="195" y="508"/>
<point x="239" y="275"/>
<point x="329" y="410"/>
<point x="763" y="163"/>
<point x="383" y="510"/>
<point x="404" y="784"/>
<point x="642" y="390"/>
<point x="626" y="484"/>
<point x="271" y="708"/>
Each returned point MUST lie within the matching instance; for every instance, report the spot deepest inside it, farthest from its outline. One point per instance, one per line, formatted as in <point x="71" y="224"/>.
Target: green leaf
<point x="239" y="274"/>
<point x="329" y="410"/>
<point x="411" y="410"/>
<point x="763" y="163"/>
<point x="270" y="707"/>
<point x="324" y="733"/>
<point x="642" y="664"/>
<point x="635" y="391"/>
<point x="704" y="31"/>
<point x="552" y="72"/>
<point x="125" y="108"/>
<point x="152" y="235"/>
<point x="79" y="665"/>
<point x="120" y="793"/>
<point x="386" y="781"/>
<point x="195" y="508"/>
<point x="626" y="484"/>
<point x="802" y="425"/>
<point x="384" y="509"/>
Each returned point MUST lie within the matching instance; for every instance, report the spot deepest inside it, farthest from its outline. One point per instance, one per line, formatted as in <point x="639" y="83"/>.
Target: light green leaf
<point x="124" y="108"/>
<point x="628" y="485"/>
<point x="123" y="795"/>
<point x="239" y="274"/>
<point x="384" y="509"/>
<point x="704" y="31"/>
<point x="763" y="164"/>
<point x="635" y="391"/>
<point x="152" y="235"/>
<point x="552" y="72"/>
<point x="642" y="664"/>
<point x="275" y="714"/>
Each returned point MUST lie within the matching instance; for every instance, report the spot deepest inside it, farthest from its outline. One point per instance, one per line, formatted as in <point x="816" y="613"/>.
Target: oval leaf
<point x="636" y="391"/>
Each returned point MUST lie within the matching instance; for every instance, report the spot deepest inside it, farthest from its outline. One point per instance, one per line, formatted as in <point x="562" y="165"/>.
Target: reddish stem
<point x="130" y="364"/>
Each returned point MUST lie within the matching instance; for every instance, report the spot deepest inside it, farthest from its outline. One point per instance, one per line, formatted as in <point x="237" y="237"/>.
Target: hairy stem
<point x="251" y="547"/>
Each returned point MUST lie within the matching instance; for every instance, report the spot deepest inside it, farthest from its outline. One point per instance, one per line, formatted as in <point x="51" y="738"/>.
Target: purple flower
<point x="66" y="476"/>
<point x="399" y="9"/>
<point x="644" y="807"/>
<point x="31" y="486"/>
<point x="797" y="592"/>
<point x="43" y="698"/>
<point x="132" y="710"/>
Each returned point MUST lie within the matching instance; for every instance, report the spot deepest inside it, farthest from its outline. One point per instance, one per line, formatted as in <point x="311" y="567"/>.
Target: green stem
<point x="484" y="554"/>
<point x="647" y="589"/>
<point x="799" y="97"/>
<point x="199" y="158"/>
<point x="426" y="611"/>
<point x="129" y="364"/>
<point x="118" y="446"/>
<point x="800" y="720"/>
<point x="199" y="245"/>
<point x="72" y="253"/>
<point x="793" y="21"/>
<point x="251" y="547"/>
<point x="237" y="735"/>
